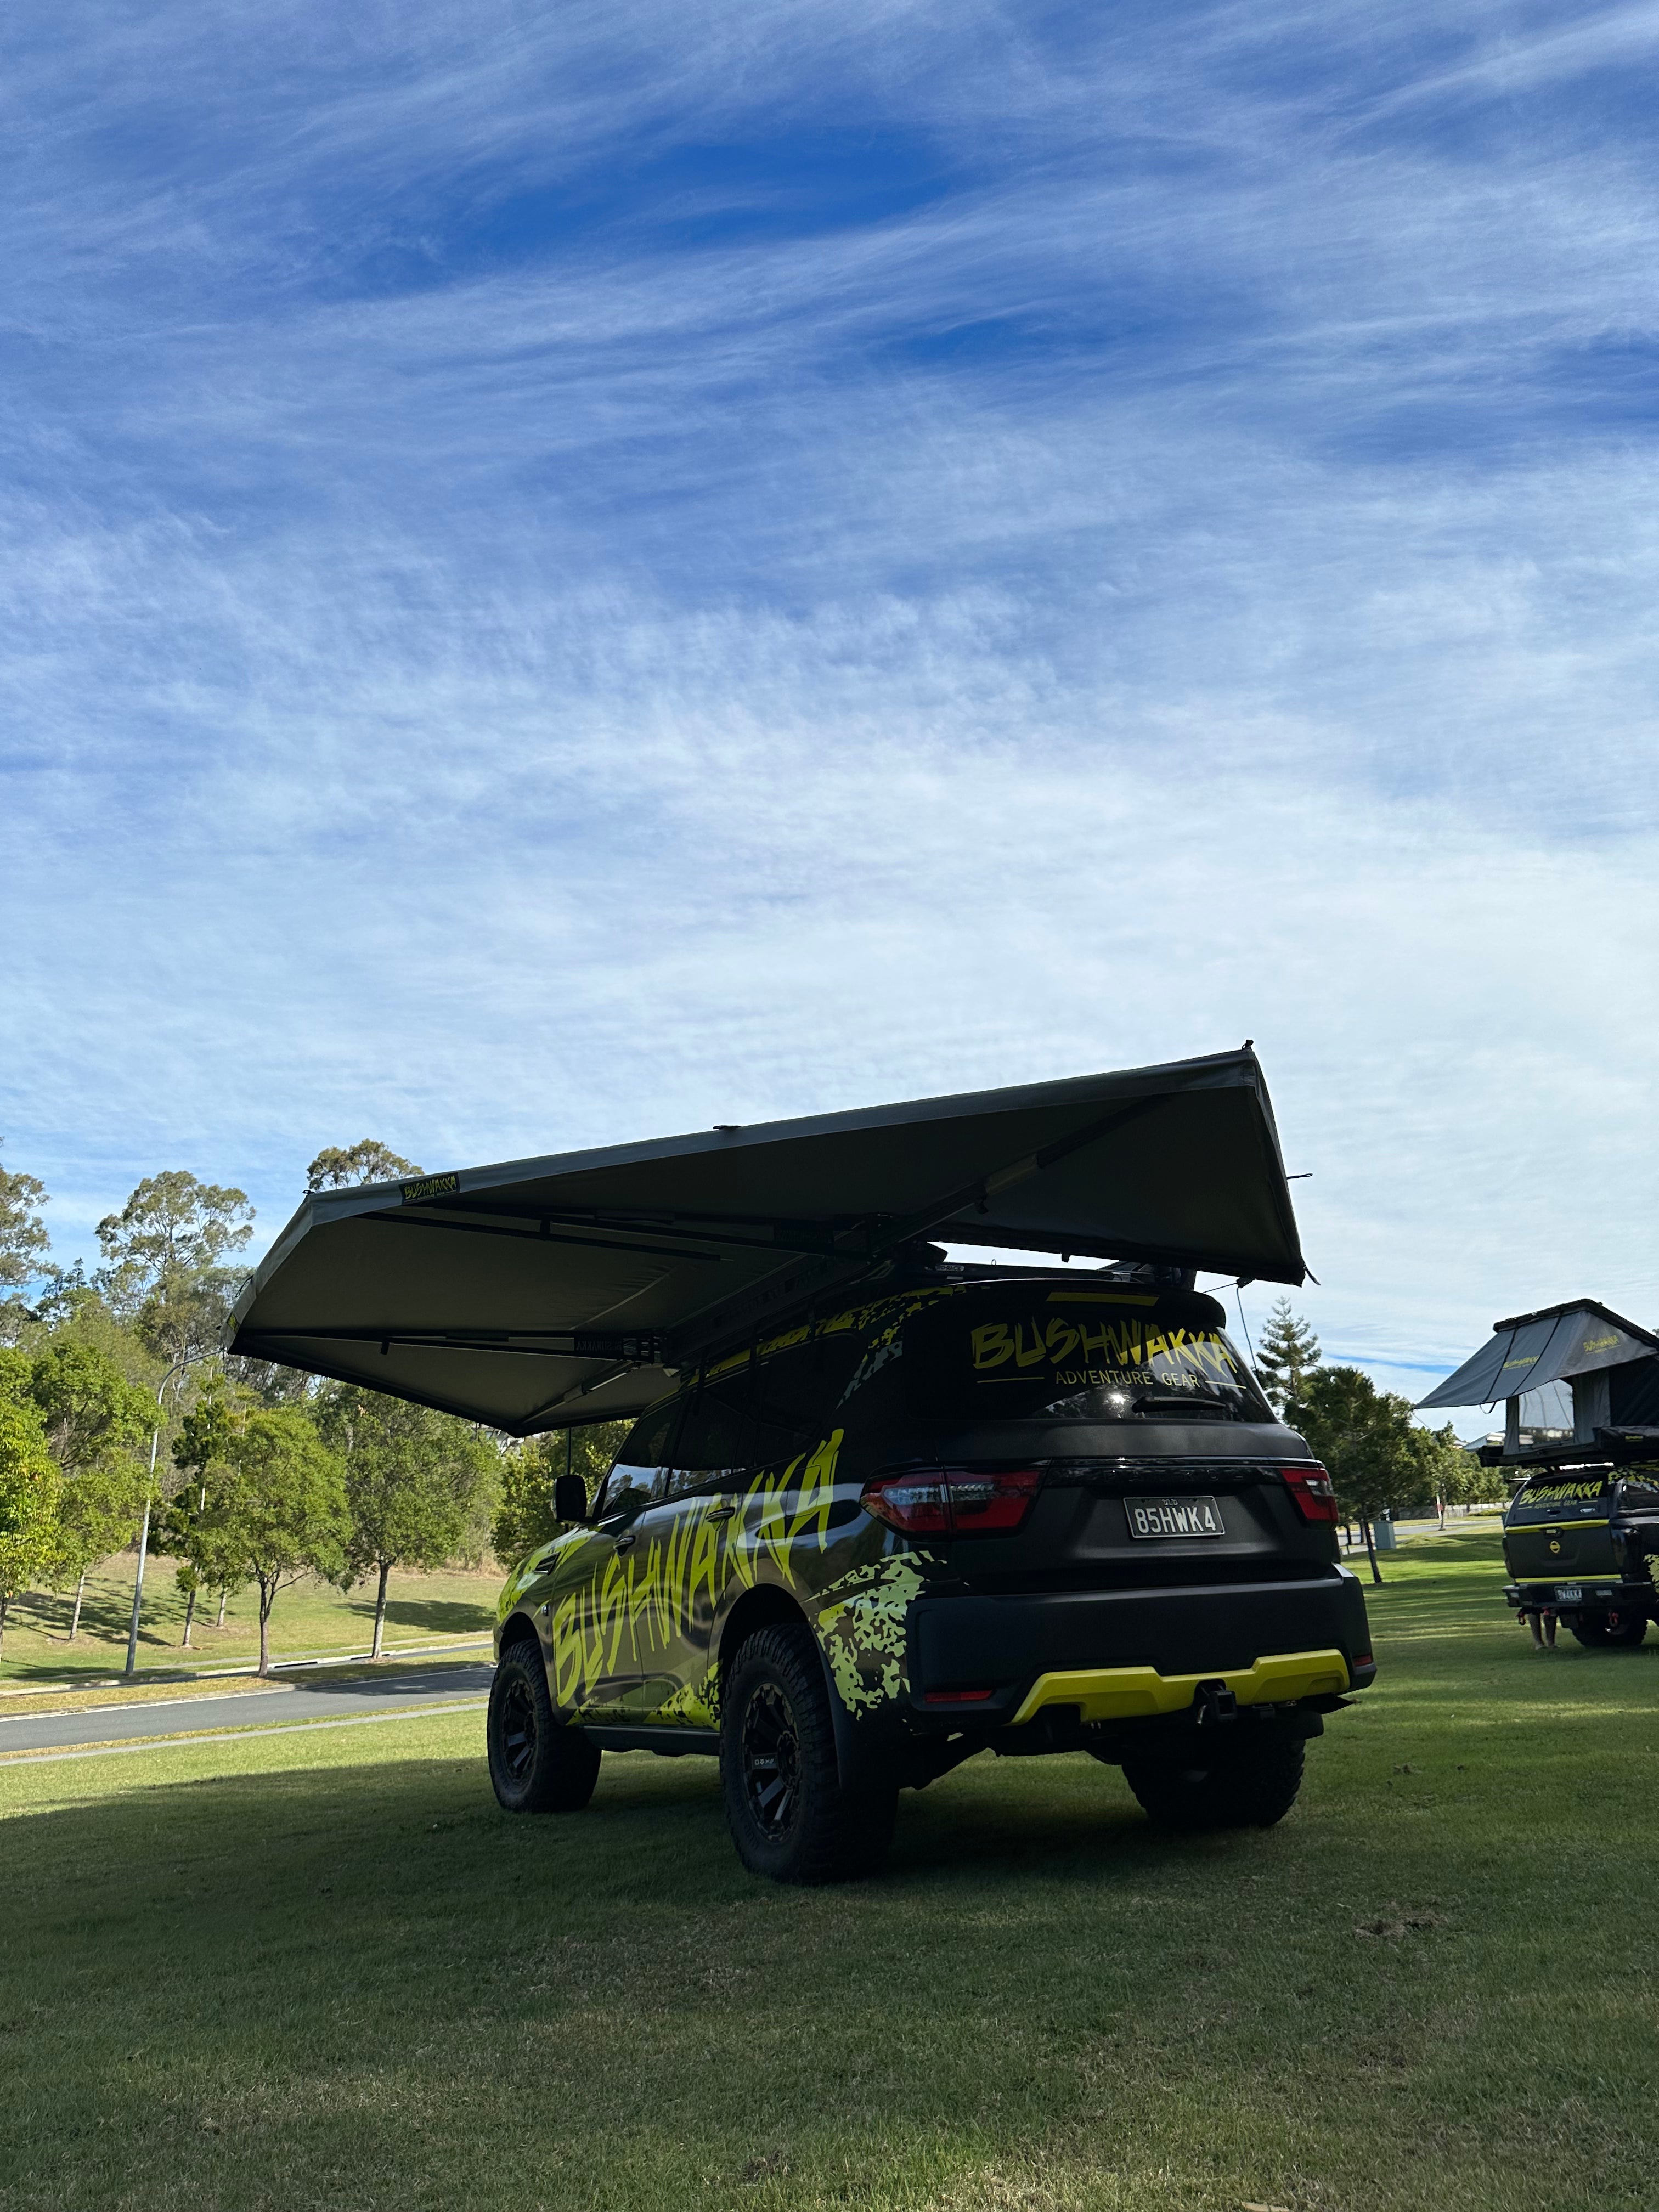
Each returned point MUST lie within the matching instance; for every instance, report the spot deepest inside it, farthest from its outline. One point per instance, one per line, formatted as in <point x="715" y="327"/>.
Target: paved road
<point x="293" y="1701"/>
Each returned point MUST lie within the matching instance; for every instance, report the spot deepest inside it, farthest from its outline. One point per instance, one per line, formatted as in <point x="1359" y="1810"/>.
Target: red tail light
<point x="916" y="1503"/>
<point x="1314" y="1491"/>
<point x="953" y="1501"/>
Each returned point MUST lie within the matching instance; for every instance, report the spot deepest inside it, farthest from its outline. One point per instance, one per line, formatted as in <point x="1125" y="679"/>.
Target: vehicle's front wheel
<point x="790" y="1817"/>
<point x="537" y="1764"/>
<point x="1596" y="1633"/>
<point x="1245" y="1777"/>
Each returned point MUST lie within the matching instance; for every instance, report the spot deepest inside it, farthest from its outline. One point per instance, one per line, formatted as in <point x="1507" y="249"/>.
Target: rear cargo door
<point x="1151" y="1433"/>
<point x="1146" y="1520"/>
<point x="1557" y="1528"/>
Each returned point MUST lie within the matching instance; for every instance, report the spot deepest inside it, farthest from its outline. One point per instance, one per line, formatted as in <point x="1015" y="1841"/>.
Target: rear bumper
<point x="1596" y="1594"/>
<point x="1123" y="1655"/>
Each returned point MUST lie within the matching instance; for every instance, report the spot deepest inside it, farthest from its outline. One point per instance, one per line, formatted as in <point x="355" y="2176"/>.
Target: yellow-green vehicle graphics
<point x="948" y="1485"/>
<point x="629" y="1611"/>
<point x="621" y="1625"/>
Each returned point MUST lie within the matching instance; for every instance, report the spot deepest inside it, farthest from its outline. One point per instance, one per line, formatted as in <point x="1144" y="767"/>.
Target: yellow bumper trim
<point x="1123" y="1693"/>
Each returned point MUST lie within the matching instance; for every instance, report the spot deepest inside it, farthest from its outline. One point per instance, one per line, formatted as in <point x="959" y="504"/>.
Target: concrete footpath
<point x="312" y="1700"/>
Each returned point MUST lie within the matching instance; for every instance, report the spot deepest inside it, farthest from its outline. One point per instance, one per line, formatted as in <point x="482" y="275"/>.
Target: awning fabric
<point x="546" y="1293"/>
<point x="1534" y="1349"/>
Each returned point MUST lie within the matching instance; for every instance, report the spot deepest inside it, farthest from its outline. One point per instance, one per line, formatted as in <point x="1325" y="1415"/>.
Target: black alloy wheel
<point x="537" y="1763"/>
<point x="792" y="1818"/>
<point x="518" y="1728"/>
<point x="771" y="1762"/>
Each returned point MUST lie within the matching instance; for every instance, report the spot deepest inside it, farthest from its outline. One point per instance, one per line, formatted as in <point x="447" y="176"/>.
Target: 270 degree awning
<point x="1532" y="1349"/>
<point x="546" y="1293"/>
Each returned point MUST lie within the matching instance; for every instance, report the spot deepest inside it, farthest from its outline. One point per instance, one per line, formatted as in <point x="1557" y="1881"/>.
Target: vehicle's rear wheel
<point x="1244" y="1777"/>
<point x="1596" y="1633"/>
<point x="537" y="1764"/>
<point x="790" y="1817"/>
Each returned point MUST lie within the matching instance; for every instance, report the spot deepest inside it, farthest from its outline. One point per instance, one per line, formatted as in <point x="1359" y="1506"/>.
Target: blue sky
<point x="570" y="573"/>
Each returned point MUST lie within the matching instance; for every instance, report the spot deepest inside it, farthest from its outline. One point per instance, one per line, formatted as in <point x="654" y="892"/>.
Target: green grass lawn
<point x="312" y="1616"/>
<point x="324" y="1970"/>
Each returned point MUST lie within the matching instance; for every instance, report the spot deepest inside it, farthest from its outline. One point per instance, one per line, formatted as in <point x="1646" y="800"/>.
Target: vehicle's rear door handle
<point x="623" y="1541"/>
<point x="721" y="1512"/>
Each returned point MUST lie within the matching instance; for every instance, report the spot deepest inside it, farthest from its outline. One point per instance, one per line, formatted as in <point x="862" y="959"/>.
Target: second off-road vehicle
<point x="1579" y="1543"/>
<point x="981" y="1510"/>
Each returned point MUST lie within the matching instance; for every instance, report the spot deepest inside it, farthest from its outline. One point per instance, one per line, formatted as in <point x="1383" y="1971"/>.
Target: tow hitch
<point x="1213" y="1704"/>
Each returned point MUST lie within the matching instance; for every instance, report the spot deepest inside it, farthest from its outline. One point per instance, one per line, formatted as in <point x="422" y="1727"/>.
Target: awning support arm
<point x="540" y="1236"/>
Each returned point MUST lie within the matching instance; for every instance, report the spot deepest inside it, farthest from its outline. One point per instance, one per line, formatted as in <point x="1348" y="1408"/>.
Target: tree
<point x="23" y="1239"/>
<point x="336" y="1166"/>
<point x="164" y="1260"/>
<point x="1367" y="1441"/>
<point x="30" y="1488"/>
<point x="411" y="1478"/>
<point x="70" y="1310"/>
<point x="96" y="1423"/>
<point x="208" y="1553"/>
<point x="1442" y="1468"/>
<point x="524" y="1507"/>
<point x="1480" y="1485"/>
<point x="1288" y="1354"/>
<point x="276" y="1508"/>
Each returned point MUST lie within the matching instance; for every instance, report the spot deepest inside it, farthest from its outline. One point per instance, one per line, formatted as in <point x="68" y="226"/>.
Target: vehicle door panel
<point x="687" y="1545"/>
<point x="746" y="1435"/>
<point x="593" y="1652"/>
<point x="593" y="1662"/>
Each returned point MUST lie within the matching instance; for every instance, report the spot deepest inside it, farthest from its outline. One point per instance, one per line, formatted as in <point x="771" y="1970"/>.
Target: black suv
<point x="1022" y="1513"/>
<point x="1580" y="1544"/>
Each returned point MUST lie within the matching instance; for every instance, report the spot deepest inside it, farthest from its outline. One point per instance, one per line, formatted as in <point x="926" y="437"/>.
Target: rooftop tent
<point x="547" y="1294"/>
<point x="1532" y="1349"/>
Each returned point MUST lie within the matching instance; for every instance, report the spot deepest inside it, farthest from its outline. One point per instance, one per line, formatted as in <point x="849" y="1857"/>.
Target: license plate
<point x="1173" y="1516"/>
<point x="1569" y="1593"/>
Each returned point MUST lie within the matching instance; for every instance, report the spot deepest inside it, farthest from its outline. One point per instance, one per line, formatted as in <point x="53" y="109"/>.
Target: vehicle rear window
<point x="1066" y="1355"/>
<point x="1556" y="1497"/>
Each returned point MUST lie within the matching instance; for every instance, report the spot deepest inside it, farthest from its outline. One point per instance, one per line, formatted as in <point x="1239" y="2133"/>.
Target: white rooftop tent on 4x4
<point x="546" y="1293"/>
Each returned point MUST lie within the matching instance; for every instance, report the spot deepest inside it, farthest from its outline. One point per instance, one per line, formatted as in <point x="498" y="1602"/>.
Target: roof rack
<point x="1608" y="1448"/>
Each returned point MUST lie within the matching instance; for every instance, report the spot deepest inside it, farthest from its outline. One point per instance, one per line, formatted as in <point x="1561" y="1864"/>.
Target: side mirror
<point x="569" y="1498"/>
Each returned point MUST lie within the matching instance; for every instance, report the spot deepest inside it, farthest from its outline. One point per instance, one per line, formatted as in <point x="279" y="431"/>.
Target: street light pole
<point x="177" y="1368"/>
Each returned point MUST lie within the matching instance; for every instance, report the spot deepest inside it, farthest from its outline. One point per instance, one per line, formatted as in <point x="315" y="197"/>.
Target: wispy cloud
<point x="570" y="576"/>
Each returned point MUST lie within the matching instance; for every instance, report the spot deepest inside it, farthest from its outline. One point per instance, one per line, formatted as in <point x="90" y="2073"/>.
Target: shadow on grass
<point x="654" y="1825"/>
<point x="435" y="1616"/>
<point x="100" y="1643"/>
<point x="1004" y="1829"/>
<point x="365" y="1979"/>
<point x="357" y="1976"/>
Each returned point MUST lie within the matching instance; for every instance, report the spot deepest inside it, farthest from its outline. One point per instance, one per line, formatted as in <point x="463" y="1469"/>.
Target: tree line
<point x="1377" y="1456"/>
<point x="122" y="1422"/>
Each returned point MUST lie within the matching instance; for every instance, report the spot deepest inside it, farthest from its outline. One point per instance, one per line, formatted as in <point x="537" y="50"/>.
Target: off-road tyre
<point x="1245" y="1777"/>
<point x="790" y="1817"/>
<point x="537" y="1763"/>
<point x="1592" y="1630"/>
